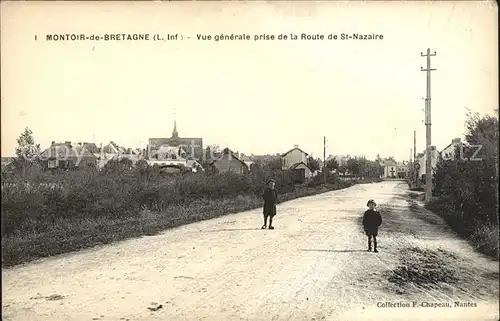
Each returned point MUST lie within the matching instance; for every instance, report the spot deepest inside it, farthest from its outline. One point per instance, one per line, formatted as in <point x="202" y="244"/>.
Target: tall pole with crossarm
<point x="428" y="164"/>
<point x="324" y="159"/>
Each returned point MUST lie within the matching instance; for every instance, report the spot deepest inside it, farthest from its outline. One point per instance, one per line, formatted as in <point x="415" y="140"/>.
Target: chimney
<point x="53" y="143"/>
<point x="67" y="143"/>
<point x="295" y="146"/>
<point x="456" y="140"/>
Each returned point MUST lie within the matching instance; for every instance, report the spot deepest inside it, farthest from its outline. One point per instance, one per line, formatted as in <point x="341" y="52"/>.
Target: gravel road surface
<point x="313" y="266"/>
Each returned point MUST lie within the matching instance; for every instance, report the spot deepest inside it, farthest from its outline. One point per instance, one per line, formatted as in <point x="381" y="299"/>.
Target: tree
<point x="313" y="164"/>
<point x="332" y="164"/>
<point x="274" y="163"/>
<point x="482" y="132"/>
<point x="469" y="186"/>
<point x="353" y="166"/>
<point x="27" y="153"/>
<point x="118" y="166"/>
<point x="142" y="165"/>
<point x="27" y="150"/>
<point x="342" y="169"/>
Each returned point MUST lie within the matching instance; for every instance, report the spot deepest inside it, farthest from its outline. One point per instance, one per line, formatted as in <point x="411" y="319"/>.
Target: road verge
<point x="72" y="234"/>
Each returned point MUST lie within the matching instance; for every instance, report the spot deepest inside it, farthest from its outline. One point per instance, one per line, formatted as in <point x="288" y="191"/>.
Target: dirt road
<point x="313" y="266"/>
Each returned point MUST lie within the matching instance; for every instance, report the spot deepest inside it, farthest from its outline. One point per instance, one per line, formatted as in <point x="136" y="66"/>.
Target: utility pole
<point x="414" y="145"/>
<point x="428" y="165"/>
<point x="414" y="164"/>
<point x="324" y="157"/>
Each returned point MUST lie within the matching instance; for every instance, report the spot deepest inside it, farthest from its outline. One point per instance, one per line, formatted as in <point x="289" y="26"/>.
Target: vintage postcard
<point x="247" y="160"/>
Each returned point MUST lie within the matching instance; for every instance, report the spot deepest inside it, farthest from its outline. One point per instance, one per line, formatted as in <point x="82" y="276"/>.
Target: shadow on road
<point x="335" y="251"/>
<point x="236" y="229"/>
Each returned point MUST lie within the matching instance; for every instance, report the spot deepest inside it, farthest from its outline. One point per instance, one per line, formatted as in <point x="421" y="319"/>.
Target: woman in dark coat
<point x="270" y="199"/>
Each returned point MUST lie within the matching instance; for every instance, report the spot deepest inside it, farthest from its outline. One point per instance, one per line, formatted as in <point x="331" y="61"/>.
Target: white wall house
<point x="402" y="169"/>
<point x="448" y="153"/>
<point x="292" y="157"/>
<point x="303" y="171"/>
<point x="422" y="159"/>
<point x="296" y="160"/>
<point x="390" y="168"/>
<point x="229" y="162"/>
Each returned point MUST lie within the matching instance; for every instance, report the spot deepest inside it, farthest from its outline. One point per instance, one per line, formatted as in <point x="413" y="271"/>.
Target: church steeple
<point x="175" y="134"/>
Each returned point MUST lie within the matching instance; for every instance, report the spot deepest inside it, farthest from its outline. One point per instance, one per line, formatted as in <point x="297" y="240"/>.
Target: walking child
<point x="371" y="222"/>
<point x="270" y="199"/>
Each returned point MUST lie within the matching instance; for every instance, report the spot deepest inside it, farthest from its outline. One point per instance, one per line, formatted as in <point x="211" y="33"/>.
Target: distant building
<point x="91" y="147"/>
<point x="172" y="159"/>
<point x="110" y="148"/>
<point x="402" y="169"/>
<point x="301" y="172"/>
<point x="192" y="146"/>
<point x="292" y="157"/>
<point x="449" y="152"/>
<point x="67" y="156"/>
<point x="176" y="166"/>
<point x="295" y="160"/>
<point x="228" y="161"/>
<point x="390" y="168"/>
<point x="422" y="160"/>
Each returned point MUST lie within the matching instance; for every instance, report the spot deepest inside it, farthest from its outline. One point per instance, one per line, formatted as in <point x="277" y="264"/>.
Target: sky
<point x="256" y="97"/>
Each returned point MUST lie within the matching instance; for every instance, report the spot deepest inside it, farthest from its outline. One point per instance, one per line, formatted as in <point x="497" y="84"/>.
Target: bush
<point x="118" y="191"/>
<point x="468" y="189"/>
<point x="62" y="211"/>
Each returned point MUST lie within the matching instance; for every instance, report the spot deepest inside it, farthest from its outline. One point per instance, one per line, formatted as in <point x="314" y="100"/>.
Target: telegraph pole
<point x="414" y="164"/>
<point x="428" y="165"/>
<point x="414" y="145"/>
<point x="324" y="157"/>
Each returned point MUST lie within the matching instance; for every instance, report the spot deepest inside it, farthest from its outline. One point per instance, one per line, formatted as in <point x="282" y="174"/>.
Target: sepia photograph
<point x="249" y="160"/>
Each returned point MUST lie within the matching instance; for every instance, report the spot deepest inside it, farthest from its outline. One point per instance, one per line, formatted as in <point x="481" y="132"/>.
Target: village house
<point x="173" y="160"/>
<point x="390" y="168"/>
<point x="105" y="154"/>
<point x="113" y="151"/>
<point x="301" y="172"/>
<point x="168" y="166"/>
<point x="422" y="159"/>
<point x="91" y="147"/>
<point x="192" y="146"/>
<point x="228" y="161"/>
<point x="449" y="152"/>
<point x="402" y="169"/>
<point x="110" y="148"/>
<point x="66" y="156"/>
<point x="246" y="159"/>
<point x="295" y="160"/>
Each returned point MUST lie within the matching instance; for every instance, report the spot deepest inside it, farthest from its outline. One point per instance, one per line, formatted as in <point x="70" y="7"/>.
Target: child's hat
<point x="271" y="180"/>
<point x="371" y="202"/>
